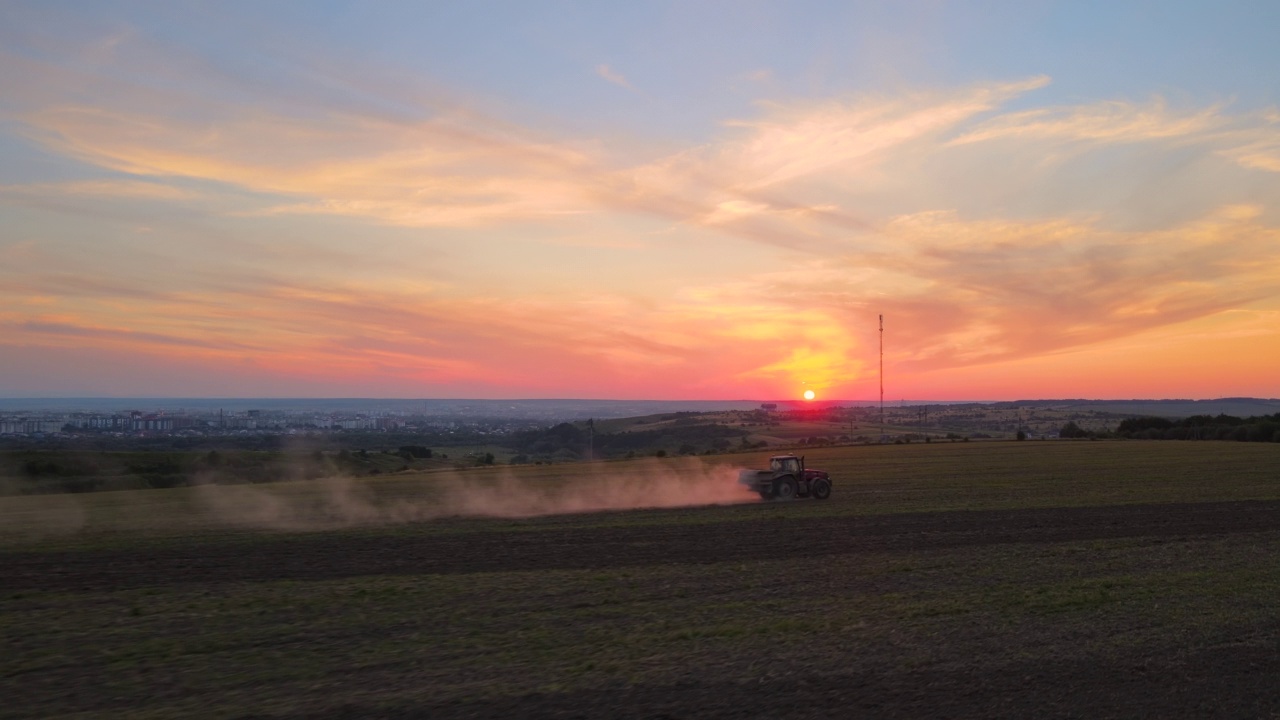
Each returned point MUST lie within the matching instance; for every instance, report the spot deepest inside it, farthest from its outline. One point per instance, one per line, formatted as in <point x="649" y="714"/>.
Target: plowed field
<point x="808" y="609"/>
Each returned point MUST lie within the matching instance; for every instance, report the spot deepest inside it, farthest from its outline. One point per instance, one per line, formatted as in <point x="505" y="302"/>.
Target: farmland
<point x="993" y="579"/>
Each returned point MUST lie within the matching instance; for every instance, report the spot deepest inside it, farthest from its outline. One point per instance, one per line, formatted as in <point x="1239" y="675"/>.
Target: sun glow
<point x="808" y="395"/>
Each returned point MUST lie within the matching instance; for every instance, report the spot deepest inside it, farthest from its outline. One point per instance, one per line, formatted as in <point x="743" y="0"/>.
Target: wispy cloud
<point x="1256" y="146"/>
<point x="789" y="177"/>
<point x="449" y="171"/>
<point x="989" y="291"/>
<point x="113" y="188"/>
<point x="613" y="76"/>
<point x="123" y="335"/>
<point x="758" y="180"/>
<point x="792" y="143"/>
<point x="1111" y="121"/>
<point x="459" y="167"/>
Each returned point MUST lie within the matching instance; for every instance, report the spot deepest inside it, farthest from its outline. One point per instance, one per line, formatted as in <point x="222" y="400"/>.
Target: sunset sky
<point x="663" y="200"/>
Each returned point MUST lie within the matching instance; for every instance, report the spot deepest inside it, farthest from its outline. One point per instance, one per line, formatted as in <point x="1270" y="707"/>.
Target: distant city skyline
<point x="677" y="201"/>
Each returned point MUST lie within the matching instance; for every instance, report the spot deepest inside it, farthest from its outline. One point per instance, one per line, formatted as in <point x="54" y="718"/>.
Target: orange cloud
<point x="424" y="340"/>
<point x="1111" y="121"/>
<point x="991" y="291"/>
<point x="113" y="188"/>
<point x="448" y="172"/>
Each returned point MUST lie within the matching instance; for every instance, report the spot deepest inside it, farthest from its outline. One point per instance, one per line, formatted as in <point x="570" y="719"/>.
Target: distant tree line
<point x="73" y="471"/>
<point x="60" y="471"/>
<point x="1261" y="428"/>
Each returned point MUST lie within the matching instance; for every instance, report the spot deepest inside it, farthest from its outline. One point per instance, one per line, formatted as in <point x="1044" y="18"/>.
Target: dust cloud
<point x="344" y="502"/>
<point x="29" y="519"/>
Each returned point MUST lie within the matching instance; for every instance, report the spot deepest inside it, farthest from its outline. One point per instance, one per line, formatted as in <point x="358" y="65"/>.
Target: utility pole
<point x="882" y="378"/>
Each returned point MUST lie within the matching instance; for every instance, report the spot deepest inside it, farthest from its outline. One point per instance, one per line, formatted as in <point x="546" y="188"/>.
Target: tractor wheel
<point x="784" y="488"/>
<point x="821" y="489"/>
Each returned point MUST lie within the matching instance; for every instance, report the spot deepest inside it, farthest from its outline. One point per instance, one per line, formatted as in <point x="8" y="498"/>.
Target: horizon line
<point x="899" y="401"/>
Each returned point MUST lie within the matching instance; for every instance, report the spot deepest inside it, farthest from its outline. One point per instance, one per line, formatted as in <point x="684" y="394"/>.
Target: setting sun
<point x="808" y="395"/>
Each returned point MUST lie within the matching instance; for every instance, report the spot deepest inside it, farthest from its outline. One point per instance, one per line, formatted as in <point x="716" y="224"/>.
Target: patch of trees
<point x="1072" y="430"/>
<point x="1262" y="428"/>
<point x="74" y="471"/>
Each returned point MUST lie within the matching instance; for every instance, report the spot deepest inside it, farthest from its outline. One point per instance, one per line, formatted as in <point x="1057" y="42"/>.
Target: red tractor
<point x="787" y="478"/>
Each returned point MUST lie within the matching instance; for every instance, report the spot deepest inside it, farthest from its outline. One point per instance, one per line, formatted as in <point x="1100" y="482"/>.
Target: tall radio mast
<point x="882" y="378"/>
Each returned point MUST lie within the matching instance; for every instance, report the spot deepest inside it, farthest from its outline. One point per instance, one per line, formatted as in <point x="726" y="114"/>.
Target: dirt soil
<point x="1234" y="679"/>
<point x="756" y="537"/>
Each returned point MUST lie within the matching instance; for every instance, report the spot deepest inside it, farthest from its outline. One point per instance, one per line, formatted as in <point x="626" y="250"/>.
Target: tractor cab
<point x="786" y="465"/>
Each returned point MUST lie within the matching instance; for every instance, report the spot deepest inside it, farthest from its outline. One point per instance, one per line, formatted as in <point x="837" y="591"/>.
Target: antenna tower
<point x="882" y="378"/>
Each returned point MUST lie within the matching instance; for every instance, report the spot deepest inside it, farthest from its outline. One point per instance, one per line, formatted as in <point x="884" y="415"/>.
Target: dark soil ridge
<point x="323" y="556"/>
<point x="1225" y="682"/>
